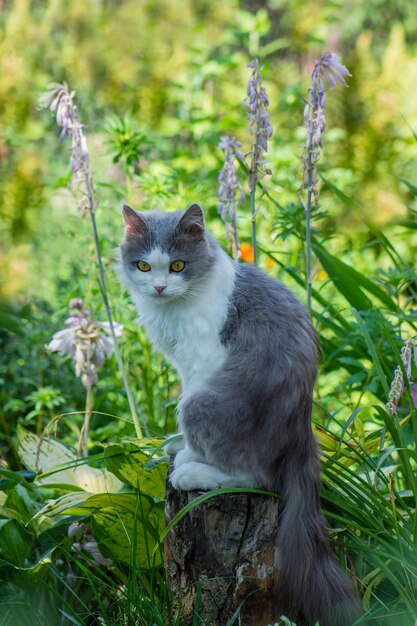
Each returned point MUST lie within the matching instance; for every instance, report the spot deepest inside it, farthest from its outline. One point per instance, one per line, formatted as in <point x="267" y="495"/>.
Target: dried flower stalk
<point x="88" y="342"/>
<point x="408" y="354"/>
<point x="60" y="100"/>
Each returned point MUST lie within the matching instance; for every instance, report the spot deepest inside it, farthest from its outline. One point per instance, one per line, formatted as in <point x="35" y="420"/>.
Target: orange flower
<point x="246" y="252"/>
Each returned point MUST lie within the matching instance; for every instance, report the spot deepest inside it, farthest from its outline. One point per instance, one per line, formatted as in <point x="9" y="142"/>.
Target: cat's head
<point x="165" y="255"/>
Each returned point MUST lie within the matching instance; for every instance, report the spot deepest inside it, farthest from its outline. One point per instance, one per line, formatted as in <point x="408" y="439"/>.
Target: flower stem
<point x="307" y="208"/>
<point x="89" y="403"/>
<point x="253" y="178"/>
<point x="103" y="290"/>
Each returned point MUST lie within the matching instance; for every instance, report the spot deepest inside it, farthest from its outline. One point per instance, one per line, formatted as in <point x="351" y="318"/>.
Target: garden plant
<point x="298" y="137"/>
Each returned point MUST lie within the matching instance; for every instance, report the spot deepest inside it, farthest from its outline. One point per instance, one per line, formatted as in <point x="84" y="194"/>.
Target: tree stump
<point x="221" y="558"/>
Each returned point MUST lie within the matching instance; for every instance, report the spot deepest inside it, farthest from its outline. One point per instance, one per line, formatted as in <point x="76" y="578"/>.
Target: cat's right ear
<point x="134" y="223"/>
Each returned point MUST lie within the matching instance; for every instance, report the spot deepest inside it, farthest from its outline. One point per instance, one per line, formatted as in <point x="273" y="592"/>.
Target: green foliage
<point x="156" y="88"/>
<point x="131" y="464"/>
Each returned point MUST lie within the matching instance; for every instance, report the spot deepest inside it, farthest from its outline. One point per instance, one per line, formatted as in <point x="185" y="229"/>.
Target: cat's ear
<point x="134" y="223"/>
<point x="192" y="222"/>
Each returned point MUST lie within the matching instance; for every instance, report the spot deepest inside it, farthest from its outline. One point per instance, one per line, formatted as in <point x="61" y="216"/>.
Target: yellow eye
<point x="177" y="266"/>
<point x="143" y="267"/>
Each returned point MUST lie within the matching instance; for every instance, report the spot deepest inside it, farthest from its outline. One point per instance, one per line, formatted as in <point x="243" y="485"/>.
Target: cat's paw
<point x="174" y="444"/>
<point x="186" y="455"/>
<point x="193" y="475"/>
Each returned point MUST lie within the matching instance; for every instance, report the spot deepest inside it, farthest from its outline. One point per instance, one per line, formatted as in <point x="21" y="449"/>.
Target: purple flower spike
<point x="260" y="127"/>
<point x="230" y="190"/>
<point x="60" y="102"/>
<point x="328" y="68"/>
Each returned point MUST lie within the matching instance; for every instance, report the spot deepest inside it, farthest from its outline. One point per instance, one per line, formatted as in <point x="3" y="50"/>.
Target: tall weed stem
<point x="309" y="276"/>
<point x="103" y="290"/>
<point x="253" y="206"/>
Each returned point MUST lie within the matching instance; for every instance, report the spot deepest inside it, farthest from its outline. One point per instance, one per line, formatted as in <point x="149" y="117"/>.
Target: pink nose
<point x="159" y="288"/>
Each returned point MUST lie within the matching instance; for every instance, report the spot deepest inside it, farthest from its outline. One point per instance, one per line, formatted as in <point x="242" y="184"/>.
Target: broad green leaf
<point x="127" y="529"/>
<point x="63" y="504"/>
<point x="351" y="283"/>
<point x="48" y="453"/>
<point x="15" y="542"/>
<point x="126" y="526"/>
<point x="19" y="506"/>
<point x="129" y="536"/>
<point x="137" y="468"/>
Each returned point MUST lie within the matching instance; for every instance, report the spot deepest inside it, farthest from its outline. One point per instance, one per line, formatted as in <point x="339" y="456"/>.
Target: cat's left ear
<point x="192" y="222"/>
<point x="133" y="221"/>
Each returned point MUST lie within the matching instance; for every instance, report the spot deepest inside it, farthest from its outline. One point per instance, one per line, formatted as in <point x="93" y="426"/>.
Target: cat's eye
<point x="177" y="266"/>
<point x="142" y="266"/>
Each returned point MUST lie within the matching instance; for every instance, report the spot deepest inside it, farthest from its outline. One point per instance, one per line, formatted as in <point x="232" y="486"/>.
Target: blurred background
<point x="179" y="74"/>
<point x="157" y="85"/>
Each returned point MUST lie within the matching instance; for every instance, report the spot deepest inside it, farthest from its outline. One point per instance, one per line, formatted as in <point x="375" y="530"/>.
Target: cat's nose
<point x="159" y="288"/>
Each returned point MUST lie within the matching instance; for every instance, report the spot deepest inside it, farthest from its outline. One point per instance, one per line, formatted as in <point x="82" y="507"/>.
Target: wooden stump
<point x="220" y="558"/>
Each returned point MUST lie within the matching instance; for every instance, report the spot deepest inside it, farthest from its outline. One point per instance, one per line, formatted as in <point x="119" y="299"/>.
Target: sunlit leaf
<point x="43" y="455"/>
<point x="137" y="468"/>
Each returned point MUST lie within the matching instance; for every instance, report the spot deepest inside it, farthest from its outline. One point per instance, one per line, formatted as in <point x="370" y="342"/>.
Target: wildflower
<point x="408" y="354"/>
<point x="259" y="123"/>
<point x="246" y="252"/>
<point x="327" y="67"/>
<point x="230" y="190"/>
<point x="83" y="539"/>
<point x="60" y="101"/>
<point x="88" y="342"/>
<point x="260" y="128"/>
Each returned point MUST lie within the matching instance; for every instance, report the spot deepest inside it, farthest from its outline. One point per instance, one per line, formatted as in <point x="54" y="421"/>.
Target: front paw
<point x="194" y="475"/>
<point x="186" y="455"/>
<point x="182" y="479"/>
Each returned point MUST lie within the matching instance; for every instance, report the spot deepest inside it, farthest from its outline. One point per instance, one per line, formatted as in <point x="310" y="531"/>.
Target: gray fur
<point x="254" y="414"/>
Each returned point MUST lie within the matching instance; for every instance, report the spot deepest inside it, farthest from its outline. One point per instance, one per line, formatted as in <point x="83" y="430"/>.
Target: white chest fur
<point x="188" y="331"/>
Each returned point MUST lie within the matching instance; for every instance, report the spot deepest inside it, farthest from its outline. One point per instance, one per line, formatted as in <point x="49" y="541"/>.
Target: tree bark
<point x="221" y="558"/>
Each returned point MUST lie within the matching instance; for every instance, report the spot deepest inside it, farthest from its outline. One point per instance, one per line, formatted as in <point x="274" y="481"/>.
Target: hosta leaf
<point x="126" y="526"/>
<point x="44" y="455"/>
<point x="137" y="468"/>
<point x="15" y="542"/>
<point x="129" y="529"/>
<point x="64" y="503"/>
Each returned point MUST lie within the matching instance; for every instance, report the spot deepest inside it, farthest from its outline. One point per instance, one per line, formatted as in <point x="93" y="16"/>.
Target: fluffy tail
<point x="313" y="587"/>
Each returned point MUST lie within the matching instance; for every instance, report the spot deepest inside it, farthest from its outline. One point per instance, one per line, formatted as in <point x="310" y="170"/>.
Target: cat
<point x="247" y="355"/>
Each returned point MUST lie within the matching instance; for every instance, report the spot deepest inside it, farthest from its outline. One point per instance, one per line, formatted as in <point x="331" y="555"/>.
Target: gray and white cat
<point x="247" y="354"/>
